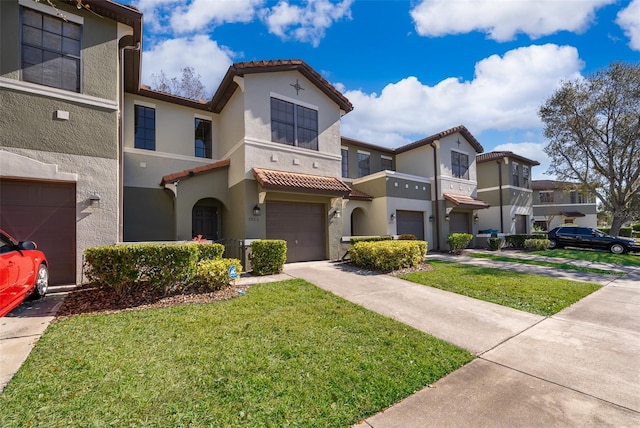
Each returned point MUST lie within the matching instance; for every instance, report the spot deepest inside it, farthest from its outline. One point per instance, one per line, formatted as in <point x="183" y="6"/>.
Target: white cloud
<point x="199" y="14"/>
<point x="629" y="20"/>
<point x="533" y="151"/>
<point x="505" y="93"/>
<point x="308" y="22"/>
<point x="204" y="55"/>
<point x="503" y="20"/>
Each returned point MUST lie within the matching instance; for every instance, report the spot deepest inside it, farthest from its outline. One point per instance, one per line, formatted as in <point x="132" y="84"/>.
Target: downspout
<point x="435" y="188"/>
<point x="500" y="193"/>
<point x="121" y="143"/>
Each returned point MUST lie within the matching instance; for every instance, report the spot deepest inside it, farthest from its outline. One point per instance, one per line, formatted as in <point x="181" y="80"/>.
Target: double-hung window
<point x="386" y="163"/>
<point x="515" y="175"/>
<point x="546" y="196"/>
<point x="145" y="128"/>
<point x="525" y="177"/>
<point x="345" y="162"/>
<point x="203" y="138"/>
<point x="50" y="50"/>
<point x="364" y="165"/>
<point x="460" y="165"/>
<point x="293" y="124"/>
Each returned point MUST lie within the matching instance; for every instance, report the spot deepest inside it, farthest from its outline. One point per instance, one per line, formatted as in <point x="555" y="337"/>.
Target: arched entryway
<point x="205" y="219"/>
<point x="358" y="222"/>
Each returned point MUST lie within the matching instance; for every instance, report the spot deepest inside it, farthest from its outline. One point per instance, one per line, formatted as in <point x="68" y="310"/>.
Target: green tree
<point x="593" y="127"/>
<point x="189" y="86"/>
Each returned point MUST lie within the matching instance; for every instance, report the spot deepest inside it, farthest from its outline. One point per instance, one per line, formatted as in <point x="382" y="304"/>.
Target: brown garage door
<point x="44" y="212"/>
<point x="301" y="225"/>
<point x="459" y="223"/>
<point x="410" y="222"/>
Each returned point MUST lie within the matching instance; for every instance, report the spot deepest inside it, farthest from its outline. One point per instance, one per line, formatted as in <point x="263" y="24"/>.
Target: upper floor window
<point x="546" y="196"/>
<point x="515" y="175"/>
<point x="525" y="177"/>
<point x="293" y="124"/>
<point x="460" y="165"/>
<point x="50" y="50"/>
<point x="145" y="128"/>
<point x="363" y="164"/>
<point x="386" y="163"/>
<point x="203" y="138"/>
<point x="345" y="162"/>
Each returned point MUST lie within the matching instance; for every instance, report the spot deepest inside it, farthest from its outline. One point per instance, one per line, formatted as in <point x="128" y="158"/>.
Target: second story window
<point x="363" y="164"/>
<point x="525" y="177"/>
<point x="145" y="128"/>
<point x="546" y="196"/>
<point x="386" y="163"/>
<point x="345" y="162"/>
<point x="203" y="138"/>
<point x="293" y="124"/>
<point x="50" y="50"/>
<point x="460" y="165"/>
<point x="515" y="175"/>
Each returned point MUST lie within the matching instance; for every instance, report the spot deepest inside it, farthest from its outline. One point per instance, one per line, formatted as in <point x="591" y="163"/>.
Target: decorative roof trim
<point x="464" y="201"/>
<point x="300" y="183"/>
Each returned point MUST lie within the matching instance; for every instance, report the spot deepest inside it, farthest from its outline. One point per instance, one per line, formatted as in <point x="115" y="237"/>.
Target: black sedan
<point x="587" y="237"/>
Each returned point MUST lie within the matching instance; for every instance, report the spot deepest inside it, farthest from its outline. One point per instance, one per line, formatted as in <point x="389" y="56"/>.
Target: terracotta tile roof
<point x="428" y="140"/>
<point x="228" y="86"/>
<point x="289" y="181"/>
<point x="172" y="178"/>
<point x="360" y="196"/>
<point x="466" y="201"/>
<point x="486" y="157"/>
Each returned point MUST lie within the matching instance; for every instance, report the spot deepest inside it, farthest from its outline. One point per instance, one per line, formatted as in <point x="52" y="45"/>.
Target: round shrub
<point x="268" y="256"/>
<point x="214" y="274"/>
<point x="387" y="256"/>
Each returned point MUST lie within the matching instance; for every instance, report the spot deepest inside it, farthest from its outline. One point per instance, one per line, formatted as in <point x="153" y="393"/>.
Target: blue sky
<point x="410" y="68"/>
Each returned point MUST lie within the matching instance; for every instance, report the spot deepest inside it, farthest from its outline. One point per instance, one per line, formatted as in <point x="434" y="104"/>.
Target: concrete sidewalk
<point x="578" y="368"/>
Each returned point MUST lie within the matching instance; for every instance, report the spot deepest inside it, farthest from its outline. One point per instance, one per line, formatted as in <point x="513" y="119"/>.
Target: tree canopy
<point x="189" y="86"/>
<point x="593" y="127"/>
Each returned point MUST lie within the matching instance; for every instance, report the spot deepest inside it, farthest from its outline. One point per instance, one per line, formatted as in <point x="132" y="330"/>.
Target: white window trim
<point x="362" y="152"/>
<point x="144" y="104"/>
<point x="44" y="8"/>
<point x="386" y="157"/>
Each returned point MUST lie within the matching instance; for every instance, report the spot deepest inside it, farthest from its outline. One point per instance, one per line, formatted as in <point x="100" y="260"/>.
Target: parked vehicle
<point x="587" y="237"/>
<point x="23" y="272"/>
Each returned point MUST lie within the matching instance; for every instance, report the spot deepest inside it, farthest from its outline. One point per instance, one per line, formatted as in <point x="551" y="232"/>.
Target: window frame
<point x="364" y="156"/>
<point x="515" y="174"/>
<point x="383" y="160"/>
<point x="145" y="139"/>
<point x="526" y="174"/>
<point x="344" y="153"/>
<point x="71" y="30"/>
<point x="207" y="140"/>
<point x="456" y="167"/>
<point x="295" y="125"/>
<point x="549" y="196"/>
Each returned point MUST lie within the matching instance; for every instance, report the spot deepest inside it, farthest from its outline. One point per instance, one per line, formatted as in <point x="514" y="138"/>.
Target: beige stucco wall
<point x="418" y="161"/>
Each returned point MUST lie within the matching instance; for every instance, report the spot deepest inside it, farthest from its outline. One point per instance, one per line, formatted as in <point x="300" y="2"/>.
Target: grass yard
<point x="593" y="256"/>
<point x="531" y="293"/>
<point x="285" y="354"/>
<point x="558" y="265"/>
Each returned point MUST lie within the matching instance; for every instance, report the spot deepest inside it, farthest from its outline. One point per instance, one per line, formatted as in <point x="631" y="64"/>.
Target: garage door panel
<point x="410" y="222"/>
<point x="44" y="212"/>
<point x="301" y="225"/>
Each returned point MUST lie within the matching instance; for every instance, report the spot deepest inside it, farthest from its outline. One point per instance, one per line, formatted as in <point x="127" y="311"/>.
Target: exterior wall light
<point x="393" y="216"/>
<point x="337" y="213"/>
<point x="94" y="199"/>
<point x="430" y="219"/>
<point x="476" y="218"/>
<point x="513" y="219"/>
<point x="256" y="210"/>
<point x="446" y="217"/>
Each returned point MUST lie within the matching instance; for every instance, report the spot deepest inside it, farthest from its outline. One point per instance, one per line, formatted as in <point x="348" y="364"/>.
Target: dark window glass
<point x="50" y="51"/>
<point x="460" y="165"/>
<point x="345" y="162"/>
<point x="203" y="138"/>
<point x="546" y="196"/>
<point x="294" y="125"/>
<point x="525" y="177"/>
<point x="515" y="175"/>
<point x="145" y="128"/>
<point x="387" y="164"/>
<point x="363" y="165"/>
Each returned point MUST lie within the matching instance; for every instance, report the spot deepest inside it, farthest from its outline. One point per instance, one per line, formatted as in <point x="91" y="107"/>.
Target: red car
<point x="23" y="272"/>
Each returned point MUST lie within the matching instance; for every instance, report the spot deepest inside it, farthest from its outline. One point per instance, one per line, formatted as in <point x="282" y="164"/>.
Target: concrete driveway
<point x="578" y="368"/>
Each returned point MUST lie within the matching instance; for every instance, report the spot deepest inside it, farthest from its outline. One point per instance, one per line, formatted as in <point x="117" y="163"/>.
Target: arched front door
<point x="204" y="220"/>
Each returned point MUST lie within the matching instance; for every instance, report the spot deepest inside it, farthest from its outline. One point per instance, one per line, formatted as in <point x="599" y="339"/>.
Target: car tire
<point x="553" y="244"/>
<point x="617" y="248"/>
<point x="42" y="282"/>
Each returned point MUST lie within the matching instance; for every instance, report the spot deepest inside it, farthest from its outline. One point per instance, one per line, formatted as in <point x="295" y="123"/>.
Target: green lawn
<point x="593" y="256"/>
<point x="286" y="354"/>
<point x="558" y="265"/>
<point x="531" y="293"/>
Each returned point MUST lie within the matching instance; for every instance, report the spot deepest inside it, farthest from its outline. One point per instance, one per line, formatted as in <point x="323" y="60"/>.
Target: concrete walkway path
<point x="578" y="368"/>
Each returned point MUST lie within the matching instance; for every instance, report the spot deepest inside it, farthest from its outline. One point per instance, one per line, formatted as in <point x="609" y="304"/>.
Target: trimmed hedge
<point x="407" y="237"/>
<point x="169" y="266"/>
<point x="387" y="256"/>
<point x="459" y="241"/>
<point x="495" y="243"/>
<point x="354" y="240"/>
<point x="213" y="274"/>
<point x="268" y="256"/>
<point x="517" y="240"/>
<point x="536" y="244"/>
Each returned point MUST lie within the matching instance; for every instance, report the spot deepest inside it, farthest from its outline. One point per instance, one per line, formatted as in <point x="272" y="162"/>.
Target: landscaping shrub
<point x="606" y="230"/>
<point x="459" y="241"/>
<point x="353" y="240"/>
<point x="536" y="244"/>
<point x="625" y="231"/>
<point x="407" y="237"/>
<point x="388" y="255"/>
<point x="210" y="251"/>
<point x="494" y="243"/>
<point x="214" y="274"/>
<point x="517" y="241"/>
<point x="268" y="256"/>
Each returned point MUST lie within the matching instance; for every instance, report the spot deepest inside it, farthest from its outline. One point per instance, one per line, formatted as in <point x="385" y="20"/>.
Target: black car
<point x="587" y="237"/>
